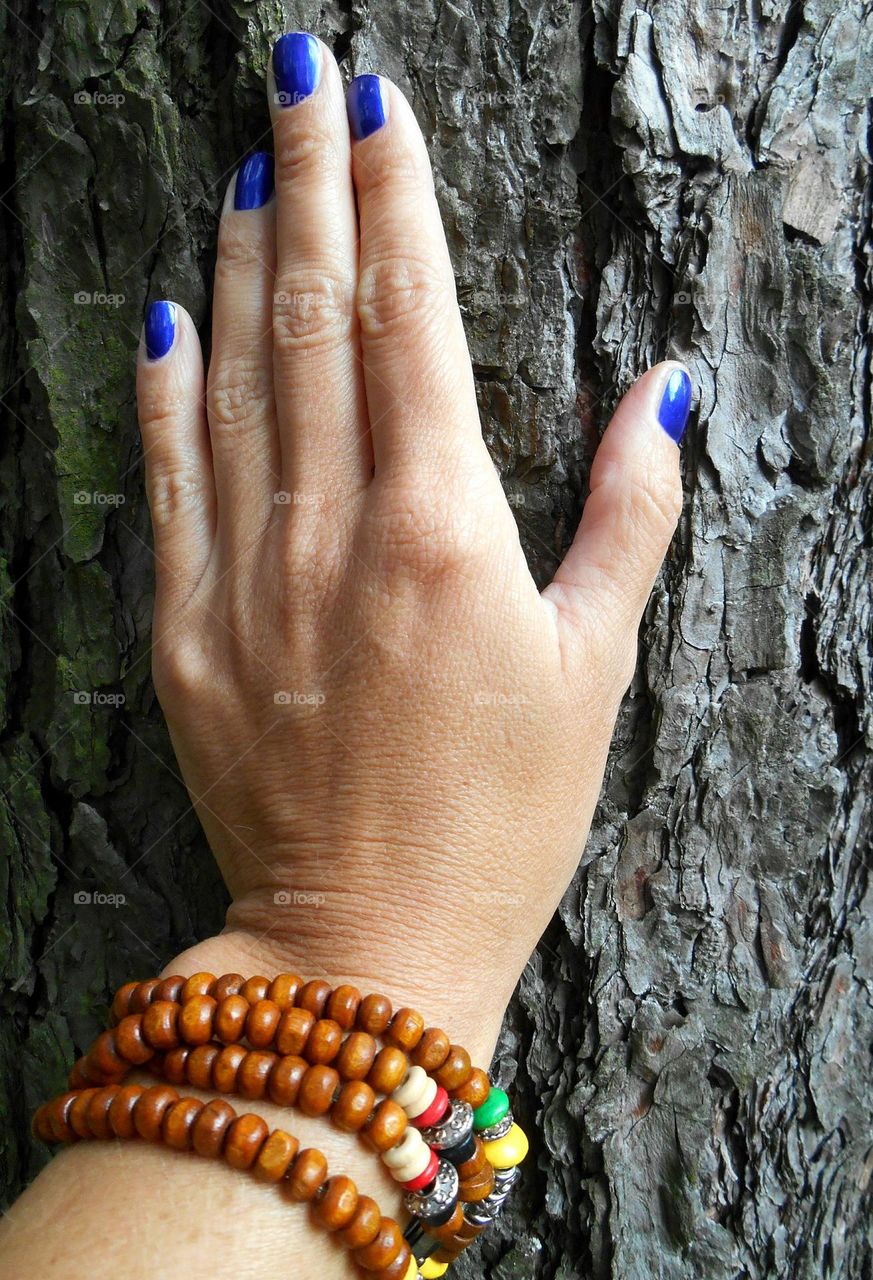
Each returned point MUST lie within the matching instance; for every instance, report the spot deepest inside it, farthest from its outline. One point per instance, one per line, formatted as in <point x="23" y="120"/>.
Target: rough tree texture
<point x="691" y="1043"/>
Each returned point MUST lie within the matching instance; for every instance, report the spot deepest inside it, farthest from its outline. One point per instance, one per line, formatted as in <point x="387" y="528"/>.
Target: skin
<point x="422" y="799"/>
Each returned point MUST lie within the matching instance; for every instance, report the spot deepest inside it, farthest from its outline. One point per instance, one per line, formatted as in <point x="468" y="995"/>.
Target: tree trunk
<point x="691" y="1042"/>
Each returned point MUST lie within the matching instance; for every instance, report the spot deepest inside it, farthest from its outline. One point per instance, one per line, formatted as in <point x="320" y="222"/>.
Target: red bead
<point x="435" y="1111"/>
<point x="427" y="1176"/>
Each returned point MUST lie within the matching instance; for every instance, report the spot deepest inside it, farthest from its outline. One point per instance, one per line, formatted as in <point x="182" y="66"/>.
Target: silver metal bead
<point x="483" y="1212"/>
<point x="443" y="1193"/>
<point x="454" y="1127"/>
<point x="497" y="1130"/>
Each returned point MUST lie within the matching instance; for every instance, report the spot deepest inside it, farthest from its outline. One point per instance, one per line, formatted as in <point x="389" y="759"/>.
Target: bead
<point x="141" y="996"/>
<point x="411" y="1270"/>
<point x="364" y="1226"/>
<point x="494" y="1108"/>
<point x="353" y="1107"/>
<point x="317" y="1089"/>
<point x="254" y="1073"/>
<point x="199" y="984"/>
<point x="77" y="1116"/>
<point x="386" y="1126"/>
<point x="244" y="1139"/>
<point x="283" y="1085"/>
<point x="507" y="1152"/>
<point x="430" y="1270"/>
<point x="476" y="1090"/>
<point x="149" y="1111"/>
<point x="210" y="1128"/>
<point x="130" y="1042"/>
<point x="196" y="1017"/>
<point x="415" y="1087"/>
<point x="425" y="1101"/>
<point x="178" y="1122"/>
<point x="356" y="1056"/>
<point x="476" y="1186"/>
<point x="169" y="989"/>
<point x="225" y="1068"/>
<point x="336" y="1204"/>
<point x="408" y="1157"/>
<point x="122" y="1109"/>
<point x="447" y="1229"/>
<point x="121" y="1001"/>
<point x="293" y="1030"/>
<point x="431" y="1050"/>
<point x="306" y="1175"/>
<point x="104" y="1057"/>
<point x="275" y="1156"/>
<point x="98" y="1113"/>
<point x="374" y="1014"/>
<point x="453" y="1130"/>
<point x="314" y="996"/>
<point x="435" y="1204"/>
<point x="230" y="1019"/>
<point x="229" y="984"/>
<point x="58" y="1117"/>
<point x="342" y="1005"/>
<point x="435" y="1112"/>
<point x="405" y="1030"/>
<point x="388" y="1069"/>
<point x="324" y="1041"/>
<point x="456" y="1070"/>
<point x="399" y="1268"/>
<point x="199" y="1064"/>
<point x="173" y="1067"/>
<point x="261" y="1023"/>
<point x="283" y="990"/>
<point x="427" y="1175"/>
<point x="383" y="1248"/>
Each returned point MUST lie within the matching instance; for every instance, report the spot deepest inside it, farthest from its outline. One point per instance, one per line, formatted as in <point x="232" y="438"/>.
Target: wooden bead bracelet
<point x="444" y="1133"/>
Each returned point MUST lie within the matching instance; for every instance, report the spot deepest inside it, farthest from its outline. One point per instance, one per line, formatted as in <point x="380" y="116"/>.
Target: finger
<point x="178" y="461"/>
<point x="319" y="385"/>
<point x="631" y="511"/>
<point x="240" y="399"/>
<point x="419" y="381"/>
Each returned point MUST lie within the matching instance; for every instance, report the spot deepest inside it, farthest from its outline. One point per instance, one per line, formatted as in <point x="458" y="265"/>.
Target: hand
<point x="394" y="741"/>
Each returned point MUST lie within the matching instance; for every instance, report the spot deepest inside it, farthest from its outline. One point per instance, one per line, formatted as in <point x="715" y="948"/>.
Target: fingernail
<point x="160" y="329"/>
<point x="367" y="105"/>
<point x="254" y="181"/>
<point x="296" y="66"/>
<point x="675" y="404"/>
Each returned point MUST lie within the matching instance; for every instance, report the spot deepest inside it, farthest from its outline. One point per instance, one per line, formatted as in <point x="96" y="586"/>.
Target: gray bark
<point x="691" y="1043"/>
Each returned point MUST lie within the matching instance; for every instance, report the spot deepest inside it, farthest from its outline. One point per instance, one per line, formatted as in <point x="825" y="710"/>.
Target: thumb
<point x="632" y="509"/>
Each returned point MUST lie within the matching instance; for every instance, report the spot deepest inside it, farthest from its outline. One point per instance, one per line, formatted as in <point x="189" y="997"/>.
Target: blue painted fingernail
<point x="675" y="404"/>
<point x="254" y="181"/>
<point x="160" y="329"/>
<point x="367" y="105"/>
<point x="296" y="66"/>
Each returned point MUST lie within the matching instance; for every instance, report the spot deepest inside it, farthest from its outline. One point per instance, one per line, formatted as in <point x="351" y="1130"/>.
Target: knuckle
<point x="304" y="154"/>
<point x="394" y="288"/>
<point x="180" y="668"/>
<point x="237" y="253"/>
<point x="654" y="507"/>
<point x="173" y="489"/>
<point x="401" y="169"/>
<point x="237" y="393"/>
<point x="312" y="309"/>
<point x="425" y="540"/>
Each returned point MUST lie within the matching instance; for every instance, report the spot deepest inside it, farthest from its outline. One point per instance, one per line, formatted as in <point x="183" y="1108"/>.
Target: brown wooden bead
<point x="160" y="1025"/>
<point x="397" y="1269"/>
<point x="80" y="1076"/>
<point x="77" y="1117"/>
<point x="389" y="1068"/>
<point x="199" y="984"/>
<point x="431" y="1050"/>
<point x="196" y="1019"/>
<point x="374" y="1014"/>
<point x="255" y="989"/>
<point x="317" y="1089"/>
<point x="104" y="1056"/>
<point x="59" y="1117"/>
<point x="313" y="996"/>
<point x="169" y="989"/>
<point x="229" y="984"/>
<point x="178" y="1122"/>
<point x="476" y="1090"/>
<point x="356" y="1056"/>
<point x="230" y="1019"/>
<point x="285" y="1079"/>
<point x="455" y="1071"/>
<point x="254" y="1073"/>
<point x="477" y="1162"/>
<point x="385" y="1246"/>
<point x="342" y="1005"/>
<point x="261" y="1023"/>
<point x="275" y="1156"/>
<point x="306" y="1175"/>
<point x="336" y="1203"/>
<point x="447" y="1231"/>
<point x="387" y="1126"/>
<point x="405" y="1029"/>
<point x="141" y="997"/>
<point x="210" y="1128"/>
<point x="283" y="990"/>
<point x="149" y="1111"/>
<point x="225" y="1068"/>
<point x="245" y="1137"/>
<point x="293" y="1030"/>
<point x="364" y="1226"/>
<point x="200" y="1063"/>
<point x="39" y="1125"/>
<point x="130" y="1042"/>
<point x="122" y="1109"/>
<point x="121" y="1001"/>
<point x="173" y="1066"/>
<point x="98" y="1113"/>
<point x="323" y="1042"/>
<point x="455" y="1245"/>
<point x="476" y="1186"/>
<point x="353" y="1107"/>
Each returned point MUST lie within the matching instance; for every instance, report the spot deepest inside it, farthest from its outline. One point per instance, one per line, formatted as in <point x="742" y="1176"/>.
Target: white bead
<point x="409" y="1091"/>
<point x="423" y="1101"/>
<point x="410" y="1144"/>
<point x="414" y="1165"/>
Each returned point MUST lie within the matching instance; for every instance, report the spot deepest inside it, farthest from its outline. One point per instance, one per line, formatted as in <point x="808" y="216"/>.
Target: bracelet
<point x="442" y="1130"/>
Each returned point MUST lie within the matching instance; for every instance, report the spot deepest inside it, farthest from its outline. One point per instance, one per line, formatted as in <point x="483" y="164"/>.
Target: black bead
<point x="464" y="1150"/>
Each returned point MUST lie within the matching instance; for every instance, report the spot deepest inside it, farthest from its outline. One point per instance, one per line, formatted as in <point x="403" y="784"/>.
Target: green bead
<point x="492" y="1110"/>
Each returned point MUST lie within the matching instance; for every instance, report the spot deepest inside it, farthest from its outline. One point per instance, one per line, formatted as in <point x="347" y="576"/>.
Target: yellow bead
<point x="411" y="1270"/>
<point x="429" y="1269"/>
<point x="508" y="1151"/>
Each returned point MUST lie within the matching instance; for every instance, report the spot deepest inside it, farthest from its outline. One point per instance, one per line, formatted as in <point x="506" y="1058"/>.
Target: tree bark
<point x="620" y="182"/>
